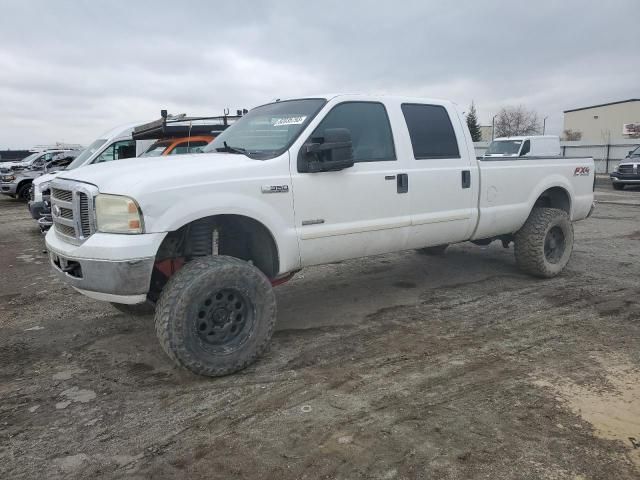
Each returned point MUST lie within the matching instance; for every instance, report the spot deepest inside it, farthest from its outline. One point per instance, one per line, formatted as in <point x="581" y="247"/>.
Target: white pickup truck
<point x="297" y="183"/>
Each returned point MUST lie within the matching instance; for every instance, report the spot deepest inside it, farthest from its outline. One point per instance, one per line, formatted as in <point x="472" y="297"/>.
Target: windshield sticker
<point x="282" y="121"/>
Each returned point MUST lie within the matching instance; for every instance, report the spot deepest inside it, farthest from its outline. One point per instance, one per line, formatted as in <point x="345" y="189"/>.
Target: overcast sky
<point x="70" y="70"/>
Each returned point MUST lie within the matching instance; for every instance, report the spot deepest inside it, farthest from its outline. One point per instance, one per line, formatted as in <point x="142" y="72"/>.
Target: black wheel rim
<point x="554" y="245"/>
<point x="224" y="318"/>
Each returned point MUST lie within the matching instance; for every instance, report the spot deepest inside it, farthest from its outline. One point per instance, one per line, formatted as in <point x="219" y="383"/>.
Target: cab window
<point x="431" y="132"/>
<point x="526" y="148"/>
<point x="192" y="147"/>
<point x="369" y="126"/>
<point x="117" y="151"/>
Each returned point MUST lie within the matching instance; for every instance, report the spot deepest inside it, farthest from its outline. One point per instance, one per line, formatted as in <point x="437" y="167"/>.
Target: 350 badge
<point x="275" y="188"/>
<point x="581" y="171"/>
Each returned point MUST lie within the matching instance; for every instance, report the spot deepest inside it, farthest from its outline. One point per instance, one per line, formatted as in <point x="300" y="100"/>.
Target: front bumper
<point x="629" y="178"/>
<point x="8" y="188"/>
<point x="108" y="267"/>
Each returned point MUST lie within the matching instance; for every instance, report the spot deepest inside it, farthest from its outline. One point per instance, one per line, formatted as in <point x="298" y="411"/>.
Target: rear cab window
<point x="431" y="131"/>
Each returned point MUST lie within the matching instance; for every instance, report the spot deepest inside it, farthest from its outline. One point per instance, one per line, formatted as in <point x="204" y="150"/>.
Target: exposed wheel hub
<point x="222" y="317"/>
<point x="554" y="245"/>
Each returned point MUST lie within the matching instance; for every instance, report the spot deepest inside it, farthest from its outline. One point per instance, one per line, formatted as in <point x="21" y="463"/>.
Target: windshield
<point x="267" y="131"/>
<point x="156" y="149"/>
<point x="86" y="153"/>
<point x="504" y="147"/>
<point x="31" y="157"/>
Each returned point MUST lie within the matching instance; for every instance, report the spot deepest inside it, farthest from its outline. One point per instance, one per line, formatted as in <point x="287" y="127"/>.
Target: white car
<point x="297" y="183"/>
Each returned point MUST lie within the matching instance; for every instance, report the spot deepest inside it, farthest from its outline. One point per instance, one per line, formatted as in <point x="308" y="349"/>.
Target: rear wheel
<point x="618" y="186"/>
<point x="544" y="244"/>
<point x="216" y="315"/>
<point x="433" y="251"/>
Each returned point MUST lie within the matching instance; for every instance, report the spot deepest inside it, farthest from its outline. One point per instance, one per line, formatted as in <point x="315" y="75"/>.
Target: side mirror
<point x="630" y="152"/>
<point x="329" y="153"/>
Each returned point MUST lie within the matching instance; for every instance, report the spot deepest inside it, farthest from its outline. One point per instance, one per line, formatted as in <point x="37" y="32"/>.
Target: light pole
<point x="493" y="126"/>
<point x="544" y="124"/>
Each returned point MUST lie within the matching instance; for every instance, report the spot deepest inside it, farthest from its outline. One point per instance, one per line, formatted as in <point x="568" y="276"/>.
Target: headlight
<point x="8" y="178"/>
<point x="118" y="214"/>
<point x="44" y="186"/>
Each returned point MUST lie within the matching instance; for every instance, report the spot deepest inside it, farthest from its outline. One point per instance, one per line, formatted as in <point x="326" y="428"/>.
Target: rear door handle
<point x="403" y="182"/>
<point x="466" y="179"/>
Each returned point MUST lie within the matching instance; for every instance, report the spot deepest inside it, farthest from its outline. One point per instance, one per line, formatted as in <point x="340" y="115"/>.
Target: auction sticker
<point x="281" y="121"/>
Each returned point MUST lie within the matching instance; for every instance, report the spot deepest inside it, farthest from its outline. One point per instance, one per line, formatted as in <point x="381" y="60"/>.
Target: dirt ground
<point x="393" y="367"/>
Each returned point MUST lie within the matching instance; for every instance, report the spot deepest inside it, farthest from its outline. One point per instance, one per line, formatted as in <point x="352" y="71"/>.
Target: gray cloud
<point x="71" y="70"/>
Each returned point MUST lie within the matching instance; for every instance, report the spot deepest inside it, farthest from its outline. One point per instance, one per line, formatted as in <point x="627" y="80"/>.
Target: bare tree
<point x="572" y="135"/>
<point x="512" y="121"/>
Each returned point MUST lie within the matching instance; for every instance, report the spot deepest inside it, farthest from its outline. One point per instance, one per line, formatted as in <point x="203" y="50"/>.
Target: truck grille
<point x="65" y="230"/>
<point x="85" y="222"/>
<point x="625" y="169"/>
<point x="72" y="210"/>
<point x="63" y="195"/>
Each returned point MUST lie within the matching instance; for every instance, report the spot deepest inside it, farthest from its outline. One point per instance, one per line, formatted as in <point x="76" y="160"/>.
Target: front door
<point x="359" y="211"/>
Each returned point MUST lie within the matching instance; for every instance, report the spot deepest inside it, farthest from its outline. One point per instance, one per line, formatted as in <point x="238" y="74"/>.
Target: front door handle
<point x="466" y="179"/>
<point x="403" y="182"/>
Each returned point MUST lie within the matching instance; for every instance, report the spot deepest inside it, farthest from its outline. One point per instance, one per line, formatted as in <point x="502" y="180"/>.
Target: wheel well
<point x="27" y="181"/>
<point x="234" y="235"/>
<point x="555" y="197"/>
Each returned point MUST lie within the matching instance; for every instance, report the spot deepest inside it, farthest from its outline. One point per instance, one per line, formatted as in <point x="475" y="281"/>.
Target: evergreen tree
<point x="472" y="123"/>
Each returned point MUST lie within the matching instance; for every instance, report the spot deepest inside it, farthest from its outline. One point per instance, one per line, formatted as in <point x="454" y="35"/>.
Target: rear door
<point x="359" y="211"/>
<point x="443" y="175"/>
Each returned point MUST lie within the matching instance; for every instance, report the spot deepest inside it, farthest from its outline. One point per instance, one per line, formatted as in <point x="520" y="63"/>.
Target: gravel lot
<point x="398" y="366"/>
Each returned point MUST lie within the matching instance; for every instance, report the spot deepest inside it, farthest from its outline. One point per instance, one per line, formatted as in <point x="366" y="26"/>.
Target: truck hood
<point x="45" y="178"/>
<point x="135" y="176"/>
<point x="10" y="166"/>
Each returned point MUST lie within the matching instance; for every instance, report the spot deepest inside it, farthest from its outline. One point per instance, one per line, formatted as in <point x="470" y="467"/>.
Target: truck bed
<point x="509" y="188"/>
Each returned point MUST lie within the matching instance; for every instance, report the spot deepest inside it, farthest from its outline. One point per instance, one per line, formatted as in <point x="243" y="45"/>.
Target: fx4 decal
<point x="581" y="171"/>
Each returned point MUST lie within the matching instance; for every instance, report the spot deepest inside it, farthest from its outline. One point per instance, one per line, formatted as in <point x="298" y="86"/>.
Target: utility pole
<point x="493" y="126"/>
<point x="544" y="124"/>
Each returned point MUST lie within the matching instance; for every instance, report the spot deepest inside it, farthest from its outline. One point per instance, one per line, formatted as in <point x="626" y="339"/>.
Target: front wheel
<point x="618" y="186"/>
<point x="216" y="315"/>
<point x="544" y="244"/>
<point x="24" y="192"/>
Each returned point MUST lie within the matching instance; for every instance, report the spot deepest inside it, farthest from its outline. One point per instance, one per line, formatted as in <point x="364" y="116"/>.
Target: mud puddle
<point x="611" y="406"/>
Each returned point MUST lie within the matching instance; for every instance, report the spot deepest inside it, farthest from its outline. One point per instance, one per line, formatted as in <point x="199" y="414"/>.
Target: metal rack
<point x="174" y="126"/>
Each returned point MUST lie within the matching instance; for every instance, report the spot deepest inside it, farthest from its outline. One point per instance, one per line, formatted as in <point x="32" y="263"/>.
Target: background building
<point x="486" y="131"/>
<point x="605" y="123"/>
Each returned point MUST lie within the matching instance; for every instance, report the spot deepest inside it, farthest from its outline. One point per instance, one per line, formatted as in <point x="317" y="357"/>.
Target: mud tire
<point x="188" y="330"/>
<point x="544" y="244"/>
